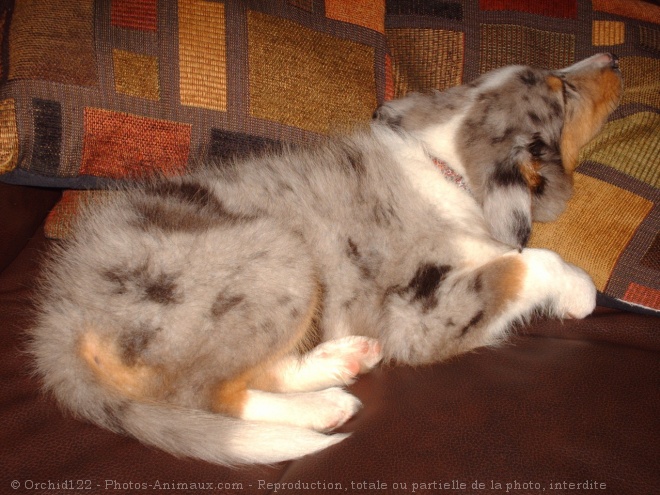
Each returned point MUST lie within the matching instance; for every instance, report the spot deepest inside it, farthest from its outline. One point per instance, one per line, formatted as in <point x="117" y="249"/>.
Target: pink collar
<point x="451" y="174"/>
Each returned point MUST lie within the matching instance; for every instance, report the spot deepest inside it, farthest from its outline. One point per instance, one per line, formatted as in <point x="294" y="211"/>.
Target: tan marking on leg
<point x="102" y="358"/>
<point x="503" y="279"/>
<point x="305" y="338"/>
<point x="229" y="396"/>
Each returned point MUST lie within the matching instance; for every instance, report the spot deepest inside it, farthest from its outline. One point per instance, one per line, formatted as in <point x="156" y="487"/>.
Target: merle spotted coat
<point x="217" y="315"/>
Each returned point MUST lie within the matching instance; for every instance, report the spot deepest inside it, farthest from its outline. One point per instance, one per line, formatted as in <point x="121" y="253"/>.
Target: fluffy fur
<point x="218" y="315"/>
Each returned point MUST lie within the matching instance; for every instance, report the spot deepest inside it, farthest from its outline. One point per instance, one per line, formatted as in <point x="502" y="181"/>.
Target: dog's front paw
<point x="568" y="289"/>
<point x="578" y="297"/>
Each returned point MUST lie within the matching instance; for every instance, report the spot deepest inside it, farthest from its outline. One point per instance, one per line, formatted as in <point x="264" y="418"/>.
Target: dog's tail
<point x="193" y="433"/>
<point x="181" y="431"/>
<point x="216" y="438"/>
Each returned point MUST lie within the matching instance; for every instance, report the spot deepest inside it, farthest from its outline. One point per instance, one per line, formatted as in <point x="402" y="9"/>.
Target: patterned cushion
<point x="95" y="92"/>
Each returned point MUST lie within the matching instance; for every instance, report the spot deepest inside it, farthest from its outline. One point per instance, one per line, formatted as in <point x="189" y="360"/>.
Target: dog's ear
<point x="394" y="112"/>
<point x="529" y="185"/>
<point x="507" y="202"/>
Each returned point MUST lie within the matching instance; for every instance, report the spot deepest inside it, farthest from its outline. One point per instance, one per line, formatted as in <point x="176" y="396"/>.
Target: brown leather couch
<point x="564" y="407"/>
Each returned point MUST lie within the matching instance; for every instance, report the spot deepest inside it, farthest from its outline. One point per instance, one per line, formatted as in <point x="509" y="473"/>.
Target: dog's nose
<point x="598" y="61"/>
<point x="606" y="60"/>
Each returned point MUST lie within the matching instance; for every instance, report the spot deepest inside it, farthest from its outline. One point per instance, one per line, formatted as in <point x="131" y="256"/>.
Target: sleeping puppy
<point x="514" y="134"/>
<point x="218" y="315"/>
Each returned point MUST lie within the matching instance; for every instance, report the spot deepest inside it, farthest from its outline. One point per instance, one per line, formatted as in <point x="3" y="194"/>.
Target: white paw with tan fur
<point x="569" y="289"/>
<point x="332" y="363"/>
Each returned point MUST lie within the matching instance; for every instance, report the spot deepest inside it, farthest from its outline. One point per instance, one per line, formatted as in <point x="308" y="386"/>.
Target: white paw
<point x="337" y="362"/>
<point x="578" y="296"/>
<point x="354" y="354"/>
<point x="569" y="289"/>
<point x="321" y="410"/>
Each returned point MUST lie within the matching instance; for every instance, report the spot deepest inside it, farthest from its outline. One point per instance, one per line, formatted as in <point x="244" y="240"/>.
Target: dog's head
<point x="516" y="132"/>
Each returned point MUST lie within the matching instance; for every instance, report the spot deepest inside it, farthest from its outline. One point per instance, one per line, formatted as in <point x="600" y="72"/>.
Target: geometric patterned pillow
<point x="99" y="91"/>
<point x="96" y="92"/>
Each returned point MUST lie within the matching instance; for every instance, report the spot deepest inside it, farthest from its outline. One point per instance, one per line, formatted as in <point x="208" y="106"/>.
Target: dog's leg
<point x="564" y="290"/>
<point x="311" y="398"/>
<point x="332" y="363"/>
<point x="320" y="410"/>
<point x="441" y="313"/>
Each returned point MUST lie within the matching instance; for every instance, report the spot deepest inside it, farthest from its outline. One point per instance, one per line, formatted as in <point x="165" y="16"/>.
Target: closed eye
<point x="537" y="147"/>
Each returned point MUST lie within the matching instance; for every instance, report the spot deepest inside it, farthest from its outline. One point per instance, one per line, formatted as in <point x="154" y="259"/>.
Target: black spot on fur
<point x="162" y="289"/>
<point x="180" y="206"/>
<point x="477" y="284"/>
<point x="224" y="303"/>
<point x="529" y="78"/>
<point x="425" y="283"/>
<point x="357" y="259"/>
<point x="171" y="218"/>
<point x="476" y="319"/>
<point x="352" y="250"/>
<point x="134" y="342"/>
<point x="535" y="118"/>
<point x="174" y="218"/>
<point x="506" y="175"/>
<point x="521" y="227"/>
